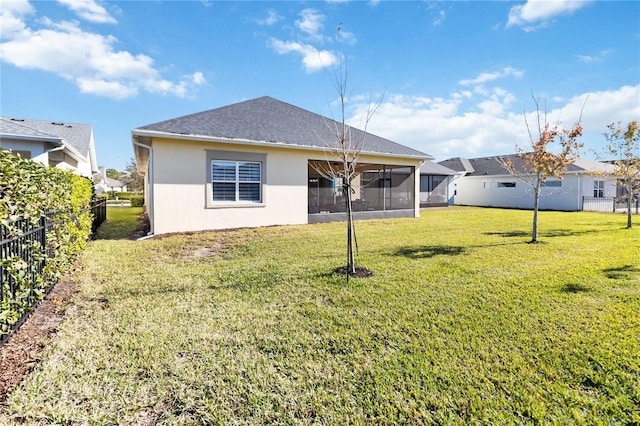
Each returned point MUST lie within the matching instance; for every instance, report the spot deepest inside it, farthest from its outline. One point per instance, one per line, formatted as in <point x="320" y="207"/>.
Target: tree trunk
<point x="629" y="203"/>
<point x="536" y="202"/>
<point x="351" y="264"/>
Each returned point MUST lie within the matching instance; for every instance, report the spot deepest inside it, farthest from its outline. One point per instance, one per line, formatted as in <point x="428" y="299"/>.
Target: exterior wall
<point x="484" y="191"/>
<point x="180" y="196"/>
<point x="37" y="149"/>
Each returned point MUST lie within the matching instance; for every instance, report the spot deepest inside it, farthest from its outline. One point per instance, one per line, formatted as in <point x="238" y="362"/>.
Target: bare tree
<point x="624" y="144"/>
<point x="343" y="154"/>
<point x="540" y="163"/>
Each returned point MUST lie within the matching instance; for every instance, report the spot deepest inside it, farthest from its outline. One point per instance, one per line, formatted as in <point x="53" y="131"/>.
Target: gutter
<point x="149" y="177"/>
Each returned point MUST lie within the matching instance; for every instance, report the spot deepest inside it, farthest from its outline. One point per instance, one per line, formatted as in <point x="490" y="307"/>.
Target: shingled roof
<point x="491" y="166"/>
<point x="269" y="121"/>
<point x="76" y="135"/>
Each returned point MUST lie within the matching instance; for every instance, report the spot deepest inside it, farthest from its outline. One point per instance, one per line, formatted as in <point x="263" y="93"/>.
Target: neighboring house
<point x="255" y="163"/>
<point x="485" y="182"/>
<point x="63" y="145"/>
<point x="436" y="185"/>
<point x="107" y="184"/>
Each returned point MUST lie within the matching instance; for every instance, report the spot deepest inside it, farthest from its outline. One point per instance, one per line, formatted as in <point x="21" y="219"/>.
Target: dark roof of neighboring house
<point x="431" y="168"/>
<point x="76" y="135"/>
<point x="491" y="166"/>
<point x="270" y="121"/>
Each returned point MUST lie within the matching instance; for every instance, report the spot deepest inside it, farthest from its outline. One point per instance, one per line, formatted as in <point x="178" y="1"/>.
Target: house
<point x="103" y="183"/>
<point x="258" y="163"/>
<point x="436" y="185"/>
<point x="63" y="145"/>
<point x="485" y="182"/>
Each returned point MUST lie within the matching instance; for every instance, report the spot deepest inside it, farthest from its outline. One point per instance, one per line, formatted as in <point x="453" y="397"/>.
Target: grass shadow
<point x="509" y="234"/>
<point x="424" y="252"/>
<point x="625" y="272"/>
<point x="574" y="288"/>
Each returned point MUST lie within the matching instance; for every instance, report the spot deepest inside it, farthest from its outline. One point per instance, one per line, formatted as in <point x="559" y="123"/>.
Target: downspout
<point x="149" y="178"/>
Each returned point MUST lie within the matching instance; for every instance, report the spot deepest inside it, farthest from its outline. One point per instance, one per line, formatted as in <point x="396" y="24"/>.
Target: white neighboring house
<point x="106" y="184"/>
<point x="436" y="185"/>
<point x="67" y="146"/>
<point x="254" y="163"/>
<point x="485" y="182"/>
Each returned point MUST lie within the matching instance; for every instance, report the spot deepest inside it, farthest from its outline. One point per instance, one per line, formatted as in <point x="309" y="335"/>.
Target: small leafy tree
<point x="624" y="145"/>
<point x="113" y="174"/>
<point x="540" y="163"/>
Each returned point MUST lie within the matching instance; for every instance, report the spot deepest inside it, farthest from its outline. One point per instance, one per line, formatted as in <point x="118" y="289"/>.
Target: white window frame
<point x="237" y="158"/>
<point x="598" y="189"/>
<point x="506" y="184"/>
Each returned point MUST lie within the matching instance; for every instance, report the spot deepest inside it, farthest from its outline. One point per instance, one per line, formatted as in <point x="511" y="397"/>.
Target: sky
<point x="453" y="78"/>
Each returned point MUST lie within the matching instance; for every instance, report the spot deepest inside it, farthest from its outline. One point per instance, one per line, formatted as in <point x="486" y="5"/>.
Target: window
<point x="551" y="183"/>
<point x="235" y="181"/>
<point x="235" y="178"/>
<point x="598" y="188"/>
<point x="506" y="184"/>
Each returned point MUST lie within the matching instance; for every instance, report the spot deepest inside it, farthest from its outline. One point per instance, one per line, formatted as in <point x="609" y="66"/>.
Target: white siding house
<point x="485" y="182"/>
<point x="67" y="146"/>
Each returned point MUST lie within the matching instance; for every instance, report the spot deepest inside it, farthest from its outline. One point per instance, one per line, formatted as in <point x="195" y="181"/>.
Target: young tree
<point x="131" y="177"/>
<point x="343" y="153"/>
<point x="539" y="164"/>
<point x="624" y="144"/>
<point x="113" y="174"/>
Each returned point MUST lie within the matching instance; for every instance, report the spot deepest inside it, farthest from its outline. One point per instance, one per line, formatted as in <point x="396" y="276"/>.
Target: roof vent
<point x="55" y="123"/>
<point x="17" y="119"/>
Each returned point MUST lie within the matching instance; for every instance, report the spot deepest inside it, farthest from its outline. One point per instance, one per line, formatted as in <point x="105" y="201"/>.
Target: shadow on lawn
<point x="545" y="234"/>
<point x="423" y="252"/>
<point x="574" y="288"/>
<point x="625" y="272"/>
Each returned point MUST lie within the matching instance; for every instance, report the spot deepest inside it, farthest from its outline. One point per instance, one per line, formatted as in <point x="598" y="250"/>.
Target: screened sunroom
<point x="377" y="190"/>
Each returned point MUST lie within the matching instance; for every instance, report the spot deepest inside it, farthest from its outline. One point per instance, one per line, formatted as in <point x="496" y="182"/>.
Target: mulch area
<point x="22" y="352"/>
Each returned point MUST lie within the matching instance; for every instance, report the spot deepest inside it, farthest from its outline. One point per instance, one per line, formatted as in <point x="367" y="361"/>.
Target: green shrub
<point x="137" y="201"/>
<point x="27" y="191"/>
<point x="123" y="195"/>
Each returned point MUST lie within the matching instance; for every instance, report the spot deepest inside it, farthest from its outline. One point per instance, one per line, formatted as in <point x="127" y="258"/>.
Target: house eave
<point x="239" y="141"/>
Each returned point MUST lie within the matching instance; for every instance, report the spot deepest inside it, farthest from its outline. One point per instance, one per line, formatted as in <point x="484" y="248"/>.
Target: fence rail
<point x="30" y="247"/>
<point x="609" y="205"/>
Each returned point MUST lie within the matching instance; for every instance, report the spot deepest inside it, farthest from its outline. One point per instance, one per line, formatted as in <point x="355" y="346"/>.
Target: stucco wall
<point x="180" y="187"/>
<point x="37" y="149"/>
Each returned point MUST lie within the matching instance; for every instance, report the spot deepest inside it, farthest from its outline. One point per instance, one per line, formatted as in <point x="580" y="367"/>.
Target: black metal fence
<point x="28" y="248"/>
<point x="609" y="205"/>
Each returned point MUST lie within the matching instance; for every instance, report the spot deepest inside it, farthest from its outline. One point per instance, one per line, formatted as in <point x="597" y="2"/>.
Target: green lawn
<point x="462" y="322"/>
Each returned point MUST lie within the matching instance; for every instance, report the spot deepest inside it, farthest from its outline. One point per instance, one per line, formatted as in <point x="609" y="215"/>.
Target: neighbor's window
<point x="236" y="181"/>
<point x="506" y="184"/>
<point x="551" y="183"/>
<point x="598" y="188"/>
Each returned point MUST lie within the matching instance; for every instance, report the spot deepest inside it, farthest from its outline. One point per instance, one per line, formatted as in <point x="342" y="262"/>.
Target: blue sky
<point x="456" y="77"/>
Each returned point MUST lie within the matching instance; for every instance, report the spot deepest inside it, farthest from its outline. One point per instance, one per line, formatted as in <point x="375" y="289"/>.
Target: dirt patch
<point x="22" y="352"/>
<point x="360" y="272"/>
<point x="143" y="228"/>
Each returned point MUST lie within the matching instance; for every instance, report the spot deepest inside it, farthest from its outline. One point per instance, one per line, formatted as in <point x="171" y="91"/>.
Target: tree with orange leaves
<point x="540" y="163"/>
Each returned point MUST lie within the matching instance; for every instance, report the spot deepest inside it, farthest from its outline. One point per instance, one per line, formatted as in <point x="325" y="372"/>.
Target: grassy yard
<point x="462" y="322"/>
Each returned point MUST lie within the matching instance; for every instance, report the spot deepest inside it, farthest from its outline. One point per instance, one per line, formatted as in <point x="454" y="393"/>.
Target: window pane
<point x="249" y="172"/>
<point x="249" y="192"/>
<point x="223" y="170"/>
<point x="223" y="191"/>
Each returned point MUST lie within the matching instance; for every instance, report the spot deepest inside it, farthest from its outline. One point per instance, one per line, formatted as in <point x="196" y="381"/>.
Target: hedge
<point x="28" y="190"/>
<point x="136" y="201"/>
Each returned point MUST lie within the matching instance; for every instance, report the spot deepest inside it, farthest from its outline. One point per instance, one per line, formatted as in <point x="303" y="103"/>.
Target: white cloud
<point x="472" y="125"/>
<point x="312" y="58"/>
<point x="89" y="60"/>
<point x="271" y="19"/>
<point x="486" y="77"/>
<point x="89" y="10"/>
<point x="311" y="23"/>
<point x="591" y="59"/>
<point x="11" y="17"/>
<point x="538" y="12"/>
<point x="439" y="18"/>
